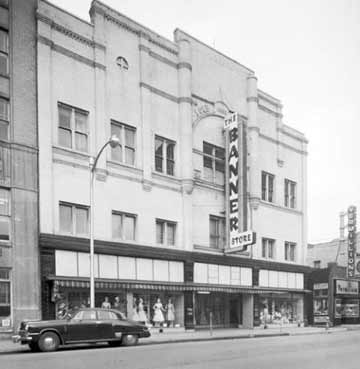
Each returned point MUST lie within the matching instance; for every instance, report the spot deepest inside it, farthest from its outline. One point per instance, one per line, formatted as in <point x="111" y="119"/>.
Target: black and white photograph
<point x="179" y="184"/>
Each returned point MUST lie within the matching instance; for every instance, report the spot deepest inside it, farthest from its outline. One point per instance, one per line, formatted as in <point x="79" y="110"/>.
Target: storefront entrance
<point x="222" y="309"/>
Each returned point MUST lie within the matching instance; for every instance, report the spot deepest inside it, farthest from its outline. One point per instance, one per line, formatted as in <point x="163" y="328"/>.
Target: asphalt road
<point x="331" y="351"/>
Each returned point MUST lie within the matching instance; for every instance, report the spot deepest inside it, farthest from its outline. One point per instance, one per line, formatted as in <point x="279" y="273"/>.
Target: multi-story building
<point x="19" y="254"/>
<point x="159" y="213"/>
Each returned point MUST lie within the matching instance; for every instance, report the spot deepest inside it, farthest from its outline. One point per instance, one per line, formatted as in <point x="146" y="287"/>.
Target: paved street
<point x="337" y="350"/>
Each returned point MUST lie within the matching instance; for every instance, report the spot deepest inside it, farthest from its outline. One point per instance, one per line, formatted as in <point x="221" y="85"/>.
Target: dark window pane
<point x="81" y="142"/>
<point x="82" y="221"/>
<point x="158" y="155"/>
<point x="4" y="202"/>
<point x="116" y="153"/>
<point x="4" y="293"/>
<point x="220" y="166"/>
<point x="158" y="164"/>
<point x="116" y="226"/>
<point x="4" y="228"/>
<point x="170" y="167"/>
<point x="208" y="148"/>
<point x="129" y="137"/>
<point x="64" y="117"/>
<point x="220" y="153"/>
<point x="4" y="273"/>
<point x="129" y="227"/>
<point x="170" y="151"/>
<point x="65" y="137"/>
<point x="208" y="162"/>
<point x="4" y="64"/>
<point x="160" y="232"/>
<point x="81" y="121"/>
<point x="66" y="218"/>
<point x="171" y="234"/>
<point x="129" y="156"/>
<point x="4" y="41"/>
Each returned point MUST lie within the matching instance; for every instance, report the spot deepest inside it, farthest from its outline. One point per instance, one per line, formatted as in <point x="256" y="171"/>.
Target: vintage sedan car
<point x="88" y="325"/>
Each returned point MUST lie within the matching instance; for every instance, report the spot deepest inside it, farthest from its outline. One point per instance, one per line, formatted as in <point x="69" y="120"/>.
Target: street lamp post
<point x="113" y="142"/>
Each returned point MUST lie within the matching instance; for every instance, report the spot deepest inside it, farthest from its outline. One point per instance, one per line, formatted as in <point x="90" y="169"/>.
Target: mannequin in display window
<point x="135" y="315"/>
<point x="106" y="304"/>
<point x="170" y="313"/>
<point x="158" y="313"/>
<point x="141" y="313"/>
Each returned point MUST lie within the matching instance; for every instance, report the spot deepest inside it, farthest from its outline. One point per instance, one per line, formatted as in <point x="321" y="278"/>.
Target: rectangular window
<point x="4" y="297"/>
<point x="217" y="232"/>
<point x="73" y="128"/>
<point x="267" y="186"/>
<point x="4" y="214"/>
<point x="317" y="264"/>
<point x="214" y="163"/>
<point x="4" y="119"/>
<point x="4" y="52"/>
<point x="290" y="250"/>
<point x="164" y="156"/>
<point x="74" y="219"/>
<point x="123" y="226"/>
<point x="165" y="232"/>
<point x="125" y="151"/>
<point x="268" y="248"/>
<point x="290" y="194"/>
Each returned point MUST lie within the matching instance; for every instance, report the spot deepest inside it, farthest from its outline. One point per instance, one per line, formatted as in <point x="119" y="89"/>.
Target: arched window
<point x="122" y="62"/>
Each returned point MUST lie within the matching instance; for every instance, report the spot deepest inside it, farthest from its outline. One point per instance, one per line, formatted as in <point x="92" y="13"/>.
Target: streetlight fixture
<point x="113" y="142"/>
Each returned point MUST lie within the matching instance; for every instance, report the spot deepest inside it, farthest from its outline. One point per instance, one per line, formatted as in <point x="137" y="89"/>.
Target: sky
<point x="304" y="52"/>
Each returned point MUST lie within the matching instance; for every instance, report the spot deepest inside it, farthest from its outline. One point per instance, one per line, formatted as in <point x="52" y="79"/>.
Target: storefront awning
<point x="115" y="284"/>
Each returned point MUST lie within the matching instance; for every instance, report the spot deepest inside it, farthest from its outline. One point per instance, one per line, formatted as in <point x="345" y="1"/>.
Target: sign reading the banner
<point x="240" y="237"/>
<point x="344" y="287"/>
<point x="351" y="241"/>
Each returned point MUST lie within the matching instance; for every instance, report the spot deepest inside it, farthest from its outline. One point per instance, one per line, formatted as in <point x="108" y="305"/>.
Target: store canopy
<point x="111" y="284"/>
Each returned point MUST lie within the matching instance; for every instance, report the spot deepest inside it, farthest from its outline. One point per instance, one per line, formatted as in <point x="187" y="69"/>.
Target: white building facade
<point x="160" y="227"/>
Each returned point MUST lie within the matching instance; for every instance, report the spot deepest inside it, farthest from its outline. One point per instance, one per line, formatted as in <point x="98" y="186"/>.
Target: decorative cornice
<point x="139" y="33"/>
<point x="295" y="137"/>
<point x="280" y="208"/>
<point x="277" y="142"/>
<point x="69" y="53"/>
<point x="160" y="92"/>
<point x="185" y="100"/>
<point x="269" y="99"/>
<point x="69" y="33"/>
<point x="267" y="110"/>
<point x="254" y="128"/>
<point x="203" y="99"/>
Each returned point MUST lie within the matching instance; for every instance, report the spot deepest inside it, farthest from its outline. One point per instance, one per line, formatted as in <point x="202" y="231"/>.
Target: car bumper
<point x="145" y="334"/>
<point x="23" y="339"/>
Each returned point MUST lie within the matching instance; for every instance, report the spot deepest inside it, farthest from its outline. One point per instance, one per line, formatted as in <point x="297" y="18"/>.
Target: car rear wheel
<point x="130" y="340"/>
<point x="49" y="341"/>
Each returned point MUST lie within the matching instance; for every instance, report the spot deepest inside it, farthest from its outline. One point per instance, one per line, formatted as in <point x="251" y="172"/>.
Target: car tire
<point x="130" y="340"/>
<point x="34" y="347"/>
<point x="49" y="341"/>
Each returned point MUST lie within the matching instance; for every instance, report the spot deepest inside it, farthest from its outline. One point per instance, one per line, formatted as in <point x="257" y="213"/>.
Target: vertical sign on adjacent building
<point x="351" y="271"/>
<point x="236" y="185"/>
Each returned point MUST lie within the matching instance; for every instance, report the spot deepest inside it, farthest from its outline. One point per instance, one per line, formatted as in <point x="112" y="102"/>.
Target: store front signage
<point x="240" y="238"/>
<point x="344" y="287"/>
<point x="351" y="271"/>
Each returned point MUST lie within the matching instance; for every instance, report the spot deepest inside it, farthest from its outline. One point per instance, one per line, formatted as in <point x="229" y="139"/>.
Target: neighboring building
<point x="19" y="253"/>
<point x="160" y="197"/>
<point x="320" y="254"/>
<point x="335" y="296"/>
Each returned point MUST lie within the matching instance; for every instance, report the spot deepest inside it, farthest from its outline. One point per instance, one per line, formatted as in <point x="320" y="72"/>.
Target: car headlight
<point x="26" y="328"/>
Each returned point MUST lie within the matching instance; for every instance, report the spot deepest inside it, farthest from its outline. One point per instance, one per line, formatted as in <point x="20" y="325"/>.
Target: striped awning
<point x="115" y="284"/>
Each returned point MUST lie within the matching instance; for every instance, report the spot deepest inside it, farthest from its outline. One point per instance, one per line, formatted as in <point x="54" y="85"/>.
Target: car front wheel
<point x="34" y="346"/>
<point x="130" y="340"/>
<point x="49" y="341"/>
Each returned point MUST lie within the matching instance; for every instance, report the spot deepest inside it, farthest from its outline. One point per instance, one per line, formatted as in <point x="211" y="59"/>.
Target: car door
<point x="106" y="319"/>
<point x="84" y="326"/>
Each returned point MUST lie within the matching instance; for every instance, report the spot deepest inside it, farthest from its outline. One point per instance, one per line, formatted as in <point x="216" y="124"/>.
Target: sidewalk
<point x="204" y="335"/>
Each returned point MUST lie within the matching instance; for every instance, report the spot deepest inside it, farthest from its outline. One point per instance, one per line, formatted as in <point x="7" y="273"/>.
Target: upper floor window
<point x="4" y="214"/>
<point x="268" y="248"/>
<point x="317" y="264"/>
<point x="4" y="52"/>
<point x="164" y="155"/>
<point x="74" y="219"/>
<point x="214" y="163"/>
<point x="217" y="232"/>
<point x="73" y="127"/>
<point x="165" y="232"/>
<point x="5" y="299"/>
<point x="4" y="119"/>
<point x="125" y="151"/>
<point x="123" y="226"/>
<point x="290" y="194"/>
<point x="267" y="186"/>
<point x="290" y="250"/>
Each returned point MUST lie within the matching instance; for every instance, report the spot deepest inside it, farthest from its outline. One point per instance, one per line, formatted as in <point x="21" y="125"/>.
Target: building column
<point x="248" y="311"/>
<point x="186" y="138"/>
<point x="253" y="146"/>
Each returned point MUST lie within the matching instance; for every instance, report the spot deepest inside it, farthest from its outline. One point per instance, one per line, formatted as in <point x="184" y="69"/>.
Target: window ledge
<point x="207" y="184"/>
<point x="208" y="249"/>
<point x="280" y="207"/>
<point x="118" y="164"/>
<point x="70" y="152"/>
<point x="166" y="177"/>
<point x="6" y="244"/>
